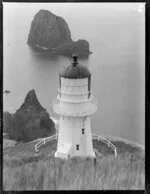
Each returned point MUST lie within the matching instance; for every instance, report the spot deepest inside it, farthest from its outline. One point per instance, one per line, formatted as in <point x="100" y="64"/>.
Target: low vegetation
<point x="48" y="173"/>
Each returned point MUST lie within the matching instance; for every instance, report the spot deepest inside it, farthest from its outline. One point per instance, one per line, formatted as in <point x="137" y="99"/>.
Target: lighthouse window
<point x="82" y="130"/>
<point x="77" y="147"/>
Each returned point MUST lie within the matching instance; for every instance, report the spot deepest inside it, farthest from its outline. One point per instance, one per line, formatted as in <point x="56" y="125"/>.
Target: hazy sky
<point x="75" y="7"/>
<point x="70" y="12"/>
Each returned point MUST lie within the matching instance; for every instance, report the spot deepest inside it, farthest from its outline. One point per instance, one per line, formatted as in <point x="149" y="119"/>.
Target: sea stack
<point x="29" y="122"/>
<point x="51" y="32"/>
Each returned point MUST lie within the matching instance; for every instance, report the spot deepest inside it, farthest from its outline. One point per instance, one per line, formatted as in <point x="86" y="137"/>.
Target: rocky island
<point x="29" y="122"/>
<point x="50" y="32"/>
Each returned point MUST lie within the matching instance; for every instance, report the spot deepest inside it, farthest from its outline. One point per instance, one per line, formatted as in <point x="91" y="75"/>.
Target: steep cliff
<point x="31" y="121"/>
<point x="51" y="32"/>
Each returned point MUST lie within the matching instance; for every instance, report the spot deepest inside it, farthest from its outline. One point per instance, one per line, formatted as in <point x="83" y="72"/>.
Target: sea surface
<point x="116" y="33"/>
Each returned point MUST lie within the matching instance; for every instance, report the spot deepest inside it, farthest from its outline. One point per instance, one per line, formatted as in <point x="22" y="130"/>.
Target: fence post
<point x="115" y="152"/>
<point x="36" y="148"/>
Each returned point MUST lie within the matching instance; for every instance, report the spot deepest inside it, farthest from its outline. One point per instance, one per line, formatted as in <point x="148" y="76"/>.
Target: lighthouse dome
<point x="75" y="70"/>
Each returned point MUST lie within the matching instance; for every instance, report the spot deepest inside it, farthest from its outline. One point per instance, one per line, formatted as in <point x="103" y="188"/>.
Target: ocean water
<point x="116" y="33"/>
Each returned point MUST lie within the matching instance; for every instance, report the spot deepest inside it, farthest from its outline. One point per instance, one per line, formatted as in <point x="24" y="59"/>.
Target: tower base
<point x="61" y="155"/>
<point x="67" y="156"/>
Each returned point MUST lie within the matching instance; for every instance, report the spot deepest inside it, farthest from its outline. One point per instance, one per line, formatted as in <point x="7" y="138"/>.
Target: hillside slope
<point x="26" y="170"/>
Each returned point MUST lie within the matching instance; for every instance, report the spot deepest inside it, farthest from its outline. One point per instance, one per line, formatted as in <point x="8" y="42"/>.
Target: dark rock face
<point x="31" y="121"/>
<point x="31" y="104"/>
<point x="7" y="121"/>
<point x="52" y="32"/>
<point x="48" y="30"/>
<point x="80" y="47"/>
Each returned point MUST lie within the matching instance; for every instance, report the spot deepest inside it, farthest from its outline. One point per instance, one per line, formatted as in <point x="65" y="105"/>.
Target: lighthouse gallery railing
<point x="93" y="107"/>
<point x="94" y="136"/>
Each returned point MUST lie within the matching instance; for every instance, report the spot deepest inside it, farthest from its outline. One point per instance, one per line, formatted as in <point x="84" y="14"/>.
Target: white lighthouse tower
<point x="75" y="105"/>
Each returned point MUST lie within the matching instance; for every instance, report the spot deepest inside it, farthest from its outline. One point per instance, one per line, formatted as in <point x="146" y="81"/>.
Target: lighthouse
<point x="75" y="106"/>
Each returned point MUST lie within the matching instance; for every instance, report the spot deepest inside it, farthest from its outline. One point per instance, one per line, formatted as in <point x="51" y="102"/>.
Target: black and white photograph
<point x="73" y="96"/>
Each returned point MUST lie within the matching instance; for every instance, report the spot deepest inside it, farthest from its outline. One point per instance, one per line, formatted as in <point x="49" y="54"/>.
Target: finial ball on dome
<point x="74" y="59"/>
<point x="75" y="70"/>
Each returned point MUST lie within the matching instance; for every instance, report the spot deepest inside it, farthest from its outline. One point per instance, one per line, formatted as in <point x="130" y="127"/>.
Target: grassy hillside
<point x="23" y="170"/>
<point x="50" y="174"/>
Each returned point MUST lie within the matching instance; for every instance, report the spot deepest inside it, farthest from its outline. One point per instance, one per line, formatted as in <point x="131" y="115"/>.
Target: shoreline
<point x="116" y="138"/>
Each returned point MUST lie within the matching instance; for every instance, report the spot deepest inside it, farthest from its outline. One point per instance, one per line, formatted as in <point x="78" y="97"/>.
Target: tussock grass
<point x="124" y="172"/>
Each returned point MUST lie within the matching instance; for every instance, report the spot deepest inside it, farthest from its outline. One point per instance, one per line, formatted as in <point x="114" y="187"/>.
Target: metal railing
<point x="92" y="99"/>
<point x="94" y="136"/>
<point x="92" y="107"/>
<point x="73" y="93"/>
<point x="104" y="140"/>
<point x="44" y="140"/>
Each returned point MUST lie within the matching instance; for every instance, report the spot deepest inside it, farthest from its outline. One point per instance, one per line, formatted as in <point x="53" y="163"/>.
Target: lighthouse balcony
<point x="75" y="108"/>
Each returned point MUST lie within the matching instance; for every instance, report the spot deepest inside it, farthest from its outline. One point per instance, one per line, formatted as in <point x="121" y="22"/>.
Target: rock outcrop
<point x="31" y="121"/>
<point x="80" y="47"/>
<point x="51" y="32"/>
